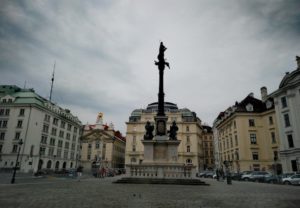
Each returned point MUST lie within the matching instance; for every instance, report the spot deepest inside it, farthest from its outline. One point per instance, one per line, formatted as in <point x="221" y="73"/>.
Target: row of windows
<point x="59" y="143"/>
<point x="58" y="153"/>
<point x="62" y="123"/>
<point x="61" y="133"/>
<point x="3" y="124"/>
<point x="6" y="112"/>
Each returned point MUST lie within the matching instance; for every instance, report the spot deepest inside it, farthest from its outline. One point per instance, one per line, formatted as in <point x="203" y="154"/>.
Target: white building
<point x="287" y="107"/>
<point x="49" y="133"/>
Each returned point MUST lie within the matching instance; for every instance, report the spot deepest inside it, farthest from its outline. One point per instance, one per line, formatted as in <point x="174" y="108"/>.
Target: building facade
<point x="287" y="106"/>
<point x="208" y="147"/>
<point x="247" y="136"/>
<point x="190" y="150"/>
<point x="102" y="146"/>
<point x="50" y="134"/>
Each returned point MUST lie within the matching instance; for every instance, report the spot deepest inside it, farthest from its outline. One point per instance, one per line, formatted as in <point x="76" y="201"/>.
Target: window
<point x="283" y="102"/>
<point x="73" y="146"/>
<point x="133" y="148"/>
<point x="97" y="145"/>
<point x="255" y="155"/>
<point x="234" y="124"/>
<point x="236" y="140"/>
<point x="62" y="124"/>
<point x="287" y="120"/>
<point x="31" y="150"/>
<point x="60" y="143"/>
<point x="69" y="127"/>
<point x="58" y="153"/>
<point x="251" y="122"/>
<point x="52" y="141"/>
<point x="2" y="135"/>
<point x="17" y="135"/>
<point x="22" y="112"/>
<point x="273" y="137"/>
<point x="187" y="128"/>
<point x="89" y="146"/>
<point x="271" y="120"/>
<point x="68" y="136"/>
<point x="1" y="146"/>
<point x="133" y="160"/>
<point x="75" y="130"/>
<point x="7" y="112"/>
<point x="42" y="150"/>
<point x="45" y="128"/>
<point x="44" y="139"/>
<point x="275" y="155"/>
<point x="74" y="137"/>
<point x="55" y="121"/>
<point x="253" y="139"/>
<point x="134" y="139"/>
<point x="15" y="148"/>
<point x="188" y="139"/>
<point x="3" y="123"/>
<point x="189" y="161"/>
<point x="231" y="143"/>
<point x="1" y="112"/>
<point x="294" y="165"/>
<point x="4" y="100"/>
<point x="51" y="151"/>
<point x="67" y="145"/>
<point x="188" y="148"/>
<point x="290" y="140"/>
<point x="47" y="118"/>
<point x="53" y="132"/>
<point x="61" y="134"/>
<point x="19" y="124"/>
<point x="66" y="154"/>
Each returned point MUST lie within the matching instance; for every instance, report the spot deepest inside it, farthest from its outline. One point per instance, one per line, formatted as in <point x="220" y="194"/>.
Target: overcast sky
<point x="219" y="52"/>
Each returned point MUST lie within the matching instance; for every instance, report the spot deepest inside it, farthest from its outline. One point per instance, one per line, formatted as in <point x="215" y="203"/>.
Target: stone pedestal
<point x="160" y="150"/>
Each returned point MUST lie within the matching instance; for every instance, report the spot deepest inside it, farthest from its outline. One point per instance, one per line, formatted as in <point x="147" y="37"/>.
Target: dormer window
<point x="249" y="107"/>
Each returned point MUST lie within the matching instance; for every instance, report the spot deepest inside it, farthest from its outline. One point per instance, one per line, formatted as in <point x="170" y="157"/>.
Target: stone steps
<point x="161" y="181"/>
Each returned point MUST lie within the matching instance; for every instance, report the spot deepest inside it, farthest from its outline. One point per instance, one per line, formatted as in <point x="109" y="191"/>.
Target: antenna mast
<point x="52" y="80"/>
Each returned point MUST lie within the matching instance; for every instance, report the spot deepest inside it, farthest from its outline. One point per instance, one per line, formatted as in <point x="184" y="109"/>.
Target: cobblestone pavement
<point x="93" y="192"/>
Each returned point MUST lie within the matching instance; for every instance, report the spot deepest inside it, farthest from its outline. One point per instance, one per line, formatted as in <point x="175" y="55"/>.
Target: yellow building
<point x="102" y="146"/>
<point x="208" y="148"/>
<point x="247" y="135"/>
<point x="189" y="133"/>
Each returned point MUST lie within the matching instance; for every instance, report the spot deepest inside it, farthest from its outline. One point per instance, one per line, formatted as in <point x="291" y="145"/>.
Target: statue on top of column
<point x="161" y="57"/>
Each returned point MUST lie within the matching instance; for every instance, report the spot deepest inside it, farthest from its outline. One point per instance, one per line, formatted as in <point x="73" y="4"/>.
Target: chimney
<point x="264" y="93"/>
<point x="251" y="94"/>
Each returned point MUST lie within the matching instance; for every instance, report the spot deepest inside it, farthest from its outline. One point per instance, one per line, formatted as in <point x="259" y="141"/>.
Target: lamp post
<point x="15" y="169"/>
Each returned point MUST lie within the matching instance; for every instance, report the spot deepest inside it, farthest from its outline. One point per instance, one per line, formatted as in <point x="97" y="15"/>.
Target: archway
<point x="57" y="165"/>
<point x="64" y="165"/>
<point x="49" y="164"/>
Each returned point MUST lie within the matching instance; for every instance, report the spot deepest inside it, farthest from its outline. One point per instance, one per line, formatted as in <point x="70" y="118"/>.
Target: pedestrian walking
<point x="79" y="172"/>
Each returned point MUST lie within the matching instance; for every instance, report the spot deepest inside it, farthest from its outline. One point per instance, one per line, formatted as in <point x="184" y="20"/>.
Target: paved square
<point x="92" y="192"/>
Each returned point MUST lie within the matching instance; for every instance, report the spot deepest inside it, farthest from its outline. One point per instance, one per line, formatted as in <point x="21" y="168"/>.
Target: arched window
<point x="49" y="164"/>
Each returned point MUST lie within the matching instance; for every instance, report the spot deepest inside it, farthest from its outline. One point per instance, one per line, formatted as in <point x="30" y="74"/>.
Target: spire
<point x="52" y="80"/>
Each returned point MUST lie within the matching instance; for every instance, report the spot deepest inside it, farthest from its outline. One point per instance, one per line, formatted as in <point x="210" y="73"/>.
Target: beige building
<point x="189" y="133"/>
<point x="102" y="146"/>
<point x="208" y="148"/>
<point x="247" y="135"/>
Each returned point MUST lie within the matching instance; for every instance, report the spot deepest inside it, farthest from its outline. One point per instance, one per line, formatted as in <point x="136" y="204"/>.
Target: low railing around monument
<point x="161" y="171"/>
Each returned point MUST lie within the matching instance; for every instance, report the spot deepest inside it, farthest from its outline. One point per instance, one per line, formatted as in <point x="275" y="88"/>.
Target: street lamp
<point x="15" y="169"/>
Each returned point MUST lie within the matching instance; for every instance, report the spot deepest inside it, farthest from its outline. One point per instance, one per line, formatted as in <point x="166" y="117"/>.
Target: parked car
<point x="292" y="180"/>
<point x="236" y="176"/>
<point x="285" y="175"/>
<point x="271" y="178"/>
<point x="209" y="174"/>
<point x="246" y="175"/>
<point x="258" y="176"/>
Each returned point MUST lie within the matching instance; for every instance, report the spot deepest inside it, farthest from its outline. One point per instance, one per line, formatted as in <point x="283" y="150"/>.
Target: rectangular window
<point x="58" y="153"/>
<point x="253" y="139"/>
<point x="17" y="135"/>
<point x="89" y="146"/>
<point x="97" y="145"/>
<point x="44" y="139"/>
<point x="61" y="134"/>
<point x="188" y="148"/>
<point x="51" y="151"/>
<point x="234" y="124"/>
<point x="7" y="112"/>
<point x="275" y="155"/>
<point x="283" y="102"/>
<point x="42" y="150"/>
<point x="294" y="165"/>
<point x="19" y="124"/>
<point x="251" y="122"/>
<point x="15" y="148"/>
<point x="73" y="146"/>
<point x="271" y="120"/>
<point x="4" y="124"/>
<point x="2" y="135"/>
<point x="133" y="148"/>
<point x="74" y="138"/>
<point x="1" y="112"/>
<point x="69" y="127"/>
<point x="68" y="136"/>
<point x="62" y="124"/>
<point x="273" y="137"/>
<point x="290" y="140"/>
<point x="55" y="121"/>
<point x="60" y="143"/>
<point x="287" y="120"/>
<point x="53" y="132"/>
<point x="31" y="150"/>
<point x="67" y="145"/>
<point x="75" y="130"/>
<point x="47" y="118"/>
<point x="66" y="154"/>
<point x="188" y="139"/>
<point x="255" y="155"/>
<point x="22" y="112"/>
<point x="1" y="146"/>
<point x="52" y="141"/>
<point x="231" y="143"/>
<point x="236" y="140"/>
<point x="45" y="128"/>
<point x="187" y="128"/>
